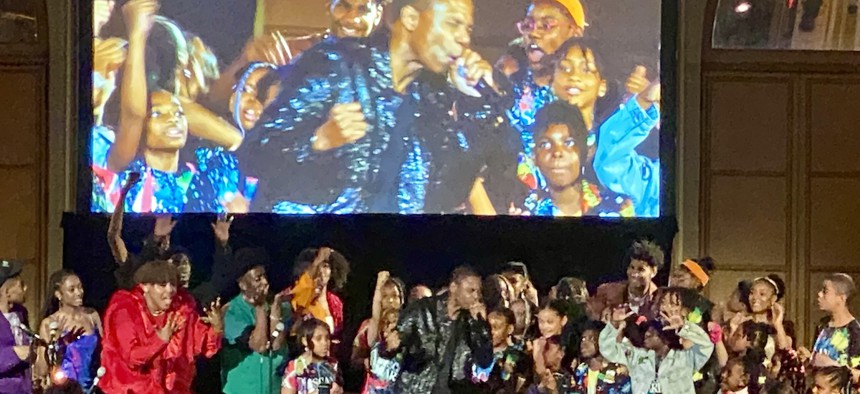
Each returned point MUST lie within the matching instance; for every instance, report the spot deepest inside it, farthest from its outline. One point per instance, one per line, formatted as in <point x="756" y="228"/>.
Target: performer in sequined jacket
<point x="373" y="125"/>
<point x="442" y="337"/>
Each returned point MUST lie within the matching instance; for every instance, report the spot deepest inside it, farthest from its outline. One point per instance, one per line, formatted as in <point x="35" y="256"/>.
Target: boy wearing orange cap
<point x="548" y="24"/>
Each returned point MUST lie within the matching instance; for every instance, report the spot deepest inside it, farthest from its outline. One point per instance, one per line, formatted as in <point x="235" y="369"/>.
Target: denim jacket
<point x="617" y="164"/>
<point x="675" y="373"/>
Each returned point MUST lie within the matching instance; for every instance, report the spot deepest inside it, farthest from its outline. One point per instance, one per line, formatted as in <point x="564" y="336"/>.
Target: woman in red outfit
<point x="153" y="334"/>
<point x="320" y="273"/>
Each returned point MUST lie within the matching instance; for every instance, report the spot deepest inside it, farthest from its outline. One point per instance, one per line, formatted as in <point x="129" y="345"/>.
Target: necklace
<point x="638" y="301"/>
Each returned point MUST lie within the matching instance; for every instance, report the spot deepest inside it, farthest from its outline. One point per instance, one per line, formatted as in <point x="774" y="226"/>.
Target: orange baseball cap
<point x="577" y="12"/>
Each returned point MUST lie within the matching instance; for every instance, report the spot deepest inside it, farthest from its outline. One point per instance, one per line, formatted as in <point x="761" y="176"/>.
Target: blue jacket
<point x="618" y="165"/>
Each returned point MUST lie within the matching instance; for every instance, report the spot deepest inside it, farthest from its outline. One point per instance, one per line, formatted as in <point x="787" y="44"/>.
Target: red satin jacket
<point x="137" y="361"/>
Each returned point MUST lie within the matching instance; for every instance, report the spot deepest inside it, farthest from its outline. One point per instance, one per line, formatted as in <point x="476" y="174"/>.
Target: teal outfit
<point x="243" y="370"/>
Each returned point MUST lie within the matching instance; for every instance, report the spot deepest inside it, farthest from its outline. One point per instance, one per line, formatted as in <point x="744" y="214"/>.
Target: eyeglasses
<point x="529" y="25"/>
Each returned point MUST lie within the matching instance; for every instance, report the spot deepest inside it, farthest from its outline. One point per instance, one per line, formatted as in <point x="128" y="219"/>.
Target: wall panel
<point x="21" y="92"/>
<point x="834" y="125"/>
<point x="747" y="137"/>
<point x="834" y="218"/>
<point x="747" y="221"/>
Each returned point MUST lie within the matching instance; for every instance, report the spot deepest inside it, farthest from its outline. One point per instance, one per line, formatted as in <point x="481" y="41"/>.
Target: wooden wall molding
<point x="802" y="72"/>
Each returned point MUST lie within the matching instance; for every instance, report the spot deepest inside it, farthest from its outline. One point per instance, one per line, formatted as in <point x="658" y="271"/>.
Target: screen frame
<point x="669" y="108"/>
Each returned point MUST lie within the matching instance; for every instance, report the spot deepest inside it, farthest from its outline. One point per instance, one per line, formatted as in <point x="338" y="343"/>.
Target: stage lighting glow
<point x="58" y="378"/>
<point x="743" y="7"/>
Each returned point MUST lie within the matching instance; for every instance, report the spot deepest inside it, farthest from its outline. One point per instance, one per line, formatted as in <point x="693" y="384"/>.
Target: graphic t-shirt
<point x="841" y="344"/>
<point x="383" y="373"/>
<point x="307" y="377"/>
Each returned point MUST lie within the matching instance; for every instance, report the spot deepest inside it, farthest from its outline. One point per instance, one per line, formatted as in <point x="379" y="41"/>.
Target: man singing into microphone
<point x="16" y="352"/>
<point x="375" y="125"/>
<point x="253" y="330"/>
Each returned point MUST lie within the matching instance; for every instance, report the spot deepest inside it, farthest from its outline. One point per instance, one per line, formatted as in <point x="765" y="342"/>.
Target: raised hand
<point x="468" y="70"/>
<point x="173" y="324"/>
<point x="163" y="226"/>
<point x="140" y="15"/>
<point x="108" y="55"/>
<point x="478" y="311"/>
<point x="345" y="125"/>
<point x="392" y="340"/>
<point x="382" y="278"/>
<point x="214" y="315"/>
<point x="235" y="203"/>
<point x="804" y="354"/>
<point x="777" y="313"/>
<point x="72" y="334"/>
<point x="323" y="254"/>
<point x="638" y="81"/>
<point x="275" y="314"/>
<point x="221" y="229"/>
<point x="618" y="315"/>
<point x="673" y="321"/>
<point x="272" y="48"/>
<point x="671" y="305"/>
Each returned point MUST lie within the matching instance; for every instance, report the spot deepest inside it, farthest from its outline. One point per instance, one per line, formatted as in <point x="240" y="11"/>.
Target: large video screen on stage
<point x="485" y="107"/>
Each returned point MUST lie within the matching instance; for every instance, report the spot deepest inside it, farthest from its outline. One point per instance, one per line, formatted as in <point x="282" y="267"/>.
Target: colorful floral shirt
<point x="593" y="204"/>
<point x="195" y="187"/>
<point x="841" y="344"/>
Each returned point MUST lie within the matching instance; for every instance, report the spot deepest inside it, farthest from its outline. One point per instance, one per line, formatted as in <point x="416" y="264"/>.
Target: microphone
<point x="53" y="326"/>
<point x="101" y="372"/>
<point x="279" y="328"/>
<point x="52" y="353"/>
<point x="482" y="87"/>
<point x="33" y="336"/>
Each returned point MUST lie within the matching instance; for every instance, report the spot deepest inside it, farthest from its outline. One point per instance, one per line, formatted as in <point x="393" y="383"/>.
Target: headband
<point x="240" y="86"/>
<point x="771" y="282"/>
<point x="697" y="271"/>
<point x="181" y="42"/>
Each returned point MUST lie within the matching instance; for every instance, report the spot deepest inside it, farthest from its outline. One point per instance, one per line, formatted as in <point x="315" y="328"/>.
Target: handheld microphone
<point x="101" y="372"/>
<point x="53" y="326"/>
<point x="53" y="351"/>
<point x="279" y="328"/>
<point x="33" y="336"/>
<point x="481" y="86"/>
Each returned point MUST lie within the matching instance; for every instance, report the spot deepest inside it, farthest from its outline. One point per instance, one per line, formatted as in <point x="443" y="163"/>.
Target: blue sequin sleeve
<point x="278" y="150"/>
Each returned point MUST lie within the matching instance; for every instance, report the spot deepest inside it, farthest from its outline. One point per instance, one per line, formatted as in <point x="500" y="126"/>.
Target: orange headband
<point x="697" y="271"/>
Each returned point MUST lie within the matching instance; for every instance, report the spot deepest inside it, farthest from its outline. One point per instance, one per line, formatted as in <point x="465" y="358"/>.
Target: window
<point x="17" y="22"/>
<point x="787" y="25"/>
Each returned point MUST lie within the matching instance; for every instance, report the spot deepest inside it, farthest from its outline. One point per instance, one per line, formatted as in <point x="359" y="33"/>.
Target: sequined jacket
<point x="425" y="330"/>
<point x="421" y="152"/>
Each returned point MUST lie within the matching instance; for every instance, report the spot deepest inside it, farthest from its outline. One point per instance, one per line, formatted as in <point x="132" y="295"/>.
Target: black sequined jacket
<point x="425" y="331"/>
<point x="422" y="151"/>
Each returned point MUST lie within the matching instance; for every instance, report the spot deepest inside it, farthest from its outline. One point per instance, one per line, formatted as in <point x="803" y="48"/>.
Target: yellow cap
<point x="574" y="7"/>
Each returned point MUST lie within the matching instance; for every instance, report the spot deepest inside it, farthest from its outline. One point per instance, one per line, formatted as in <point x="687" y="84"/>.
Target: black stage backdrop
<point x="418" y="249"/>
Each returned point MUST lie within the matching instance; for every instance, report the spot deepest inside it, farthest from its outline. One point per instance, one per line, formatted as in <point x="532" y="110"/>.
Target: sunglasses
<point x="529" y="25"/>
